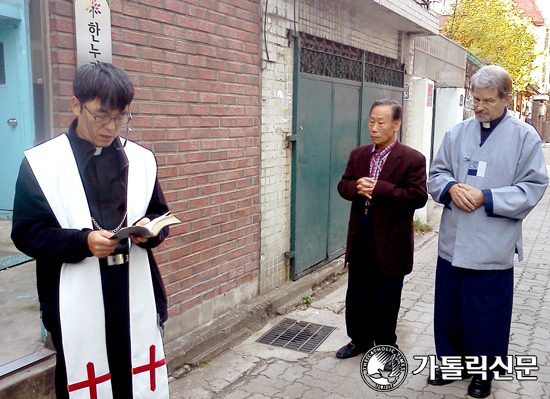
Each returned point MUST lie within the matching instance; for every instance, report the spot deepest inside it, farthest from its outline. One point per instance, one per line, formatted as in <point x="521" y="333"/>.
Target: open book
<point x="151" y="229"/>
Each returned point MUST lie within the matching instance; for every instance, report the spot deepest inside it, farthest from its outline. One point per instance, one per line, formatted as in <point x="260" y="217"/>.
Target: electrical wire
<point x="295" y="27"/>
<point x="265" y="27"/>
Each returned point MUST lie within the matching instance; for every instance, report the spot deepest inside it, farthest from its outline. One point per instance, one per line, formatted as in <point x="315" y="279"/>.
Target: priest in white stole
<point x="489" y="173"/>
<point x="102" y="299"/>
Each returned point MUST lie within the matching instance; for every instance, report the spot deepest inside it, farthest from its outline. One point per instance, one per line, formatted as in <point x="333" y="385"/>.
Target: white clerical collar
<point x="98" y="151"/>
<point x="486" y="125"/>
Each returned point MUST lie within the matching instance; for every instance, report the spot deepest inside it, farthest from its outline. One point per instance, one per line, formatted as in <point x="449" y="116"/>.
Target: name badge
<point x="477" y="168"/>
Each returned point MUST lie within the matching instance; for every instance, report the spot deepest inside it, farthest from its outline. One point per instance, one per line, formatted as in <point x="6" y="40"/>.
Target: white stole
<point x="80" y="293"/>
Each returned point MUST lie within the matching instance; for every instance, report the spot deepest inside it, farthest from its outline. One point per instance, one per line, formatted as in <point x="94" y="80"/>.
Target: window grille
<point x="335" y="60"/>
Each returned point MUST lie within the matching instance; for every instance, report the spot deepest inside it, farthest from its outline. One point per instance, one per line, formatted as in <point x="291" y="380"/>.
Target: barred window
<point x="334" y="60"/>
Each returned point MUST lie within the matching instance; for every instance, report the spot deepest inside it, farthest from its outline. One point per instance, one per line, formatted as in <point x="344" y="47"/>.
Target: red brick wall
<point x="195" y="66"/>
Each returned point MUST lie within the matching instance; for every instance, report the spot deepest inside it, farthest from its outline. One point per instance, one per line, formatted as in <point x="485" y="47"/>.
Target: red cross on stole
<point x="91" y="382"/>
<point x="150" y="367"/>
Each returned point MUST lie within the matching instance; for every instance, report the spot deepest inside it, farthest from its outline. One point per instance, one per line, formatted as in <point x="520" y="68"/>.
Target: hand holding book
<point x="150" y="229"/>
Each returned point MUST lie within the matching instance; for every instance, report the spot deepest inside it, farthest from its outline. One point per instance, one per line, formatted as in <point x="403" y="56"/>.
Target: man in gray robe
<point x="489" y="173"/>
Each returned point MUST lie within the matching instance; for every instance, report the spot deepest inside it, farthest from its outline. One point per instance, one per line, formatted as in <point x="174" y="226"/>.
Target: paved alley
<point x="256" y="371"/>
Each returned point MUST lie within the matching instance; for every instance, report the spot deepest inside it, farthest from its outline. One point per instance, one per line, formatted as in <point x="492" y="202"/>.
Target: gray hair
<point x="493" y="76"/>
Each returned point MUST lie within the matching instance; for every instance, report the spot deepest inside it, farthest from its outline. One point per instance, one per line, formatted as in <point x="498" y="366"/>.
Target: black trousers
<point x="372" y="299"/>
<point x="472" y="312"/>
<point x="115" y="285"/>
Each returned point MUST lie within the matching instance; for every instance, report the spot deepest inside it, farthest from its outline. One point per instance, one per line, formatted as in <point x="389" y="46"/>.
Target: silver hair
<point x="493" y="76"/>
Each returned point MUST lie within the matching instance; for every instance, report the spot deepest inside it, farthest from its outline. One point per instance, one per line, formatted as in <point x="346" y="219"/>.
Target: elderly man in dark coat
<point x="386" y="182"/>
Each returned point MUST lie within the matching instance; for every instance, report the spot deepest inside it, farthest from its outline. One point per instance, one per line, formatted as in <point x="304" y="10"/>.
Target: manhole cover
<point x="296" y="335"/>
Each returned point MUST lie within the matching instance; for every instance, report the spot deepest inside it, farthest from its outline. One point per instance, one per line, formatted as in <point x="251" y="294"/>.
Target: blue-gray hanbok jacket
<point x="511" y="170"/>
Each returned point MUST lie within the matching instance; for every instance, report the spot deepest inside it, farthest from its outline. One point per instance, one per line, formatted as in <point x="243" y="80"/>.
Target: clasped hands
<point x="466" y="197"/>
<point x="101" y="244"/>
<point x="365" y="186"/>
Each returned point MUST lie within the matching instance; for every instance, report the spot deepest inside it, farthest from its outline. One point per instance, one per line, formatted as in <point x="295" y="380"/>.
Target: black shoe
<point x="438" y="380"/>
<point x="388" y="365"/>
<point x="350" y="350"/>
<point x="479" y="388"/>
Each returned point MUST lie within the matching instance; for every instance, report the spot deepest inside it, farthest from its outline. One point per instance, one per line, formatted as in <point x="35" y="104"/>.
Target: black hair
<point x="397" y="111"/>
<point x="107" y="82"/>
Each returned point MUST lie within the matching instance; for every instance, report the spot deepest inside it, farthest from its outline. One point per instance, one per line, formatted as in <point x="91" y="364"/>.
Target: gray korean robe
<point x="511" y="165"/>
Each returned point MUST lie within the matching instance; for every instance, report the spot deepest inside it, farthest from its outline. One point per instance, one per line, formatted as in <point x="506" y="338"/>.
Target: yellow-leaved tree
<point x="493" y="30"/>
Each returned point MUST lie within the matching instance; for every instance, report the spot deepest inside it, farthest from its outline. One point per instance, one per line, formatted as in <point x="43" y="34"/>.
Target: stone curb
<point x="233" y="327"/>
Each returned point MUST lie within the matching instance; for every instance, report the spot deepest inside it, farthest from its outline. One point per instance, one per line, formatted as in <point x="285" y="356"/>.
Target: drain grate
<point x="296" y="335"/>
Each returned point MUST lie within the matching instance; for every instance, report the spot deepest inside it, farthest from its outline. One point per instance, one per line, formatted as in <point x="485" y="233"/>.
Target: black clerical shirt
<point x="105" y="178"/>
<point x="37" y="233"/>
<point x="486" y="131"/>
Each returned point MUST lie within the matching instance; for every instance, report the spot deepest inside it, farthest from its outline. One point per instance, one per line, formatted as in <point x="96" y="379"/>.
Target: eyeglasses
<point x="484" y="103"/>
<point x="106" y="119"/>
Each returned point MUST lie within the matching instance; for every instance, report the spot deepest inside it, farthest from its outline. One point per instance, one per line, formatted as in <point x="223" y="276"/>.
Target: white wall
<point x="420" y="131"/>
<point x="420" y="137"/>
<point x="448" y="112"/>
<point x="543" y="60"/>
<point x="276" y="125"/>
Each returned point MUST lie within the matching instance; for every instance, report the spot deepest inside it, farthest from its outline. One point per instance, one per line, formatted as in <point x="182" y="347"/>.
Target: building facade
<point x="251" y="108"/>
<point x="323" y="64"/>
<point x="196" y="70"/>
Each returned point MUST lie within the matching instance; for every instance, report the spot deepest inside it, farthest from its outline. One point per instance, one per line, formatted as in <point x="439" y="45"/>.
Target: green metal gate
<point x="334" y="88"/>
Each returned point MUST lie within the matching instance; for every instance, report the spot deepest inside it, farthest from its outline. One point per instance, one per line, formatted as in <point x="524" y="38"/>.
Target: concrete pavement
<point x="21" y="332"/>
<point x="255" y="371"/>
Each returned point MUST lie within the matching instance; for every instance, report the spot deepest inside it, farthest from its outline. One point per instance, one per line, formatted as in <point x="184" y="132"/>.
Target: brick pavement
<point x="256" y="371"/>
